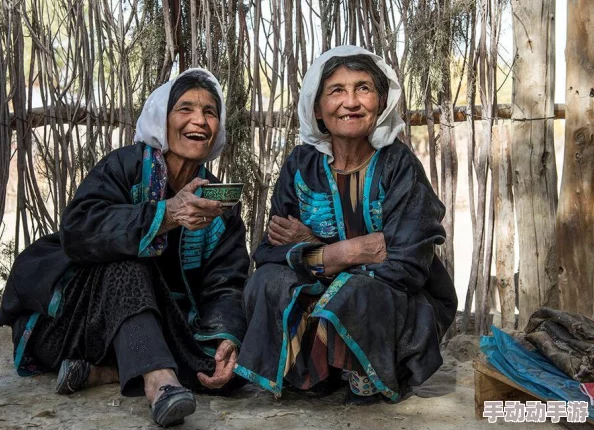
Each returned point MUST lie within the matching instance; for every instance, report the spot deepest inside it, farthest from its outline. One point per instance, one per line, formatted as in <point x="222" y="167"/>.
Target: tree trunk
<point x="533" y="153"/>
<point x="575" y="218"/>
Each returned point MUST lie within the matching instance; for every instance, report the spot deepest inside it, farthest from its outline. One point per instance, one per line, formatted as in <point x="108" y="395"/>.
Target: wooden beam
<point x="70" y="114"/>
<point x="78" y="115"/>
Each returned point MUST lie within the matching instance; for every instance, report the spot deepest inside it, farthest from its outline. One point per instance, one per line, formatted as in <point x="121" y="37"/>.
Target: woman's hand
<point x="225" y="359"/>
<point x="188" y="210"/>
<point x="284" y="231"/>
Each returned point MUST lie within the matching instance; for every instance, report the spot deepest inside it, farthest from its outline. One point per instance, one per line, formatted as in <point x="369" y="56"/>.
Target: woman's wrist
<point x="339" y="256"/>
<point x="168" y="223"/>
<point x="350" y="252"/>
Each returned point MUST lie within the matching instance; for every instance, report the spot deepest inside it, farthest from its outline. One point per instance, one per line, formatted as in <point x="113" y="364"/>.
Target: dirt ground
<point x="445" y="401"/>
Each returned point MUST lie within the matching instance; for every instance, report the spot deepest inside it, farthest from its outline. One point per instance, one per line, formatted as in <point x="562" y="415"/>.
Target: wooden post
<point x="533" y="153"/>
<point x="504" y="225"/>
<point x="449" y="156"/>
<point x="575" y="218"/>
<point x="194" y="32"/>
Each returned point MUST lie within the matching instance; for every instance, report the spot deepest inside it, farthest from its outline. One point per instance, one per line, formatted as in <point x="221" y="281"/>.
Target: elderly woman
<point x="144" y="274"/>
<point x="347" y="276"/>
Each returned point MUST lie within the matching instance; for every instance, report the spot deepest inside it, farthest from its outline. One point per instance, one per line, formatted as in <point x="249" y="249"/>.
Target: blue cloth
<point x="530" y="369"/>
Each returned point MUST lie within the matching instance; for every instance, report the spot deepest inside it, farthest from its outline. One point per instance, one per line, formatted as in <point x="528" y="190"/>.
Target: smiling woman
<point x="347" y="278"/>
<point x="143" y="283"/>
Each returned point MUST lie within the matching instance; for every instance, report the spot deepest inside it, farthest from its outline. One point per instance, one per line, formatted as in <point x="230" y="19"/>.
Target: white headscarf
<point x="151" y="127"/>
<point x="388" y="124"/>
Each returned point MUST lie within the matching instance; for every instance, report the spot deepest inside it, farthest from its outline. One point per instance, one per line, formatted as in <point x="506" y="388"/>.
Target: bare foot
<point x="100" y="375"/>
<point x="155" y="380"/>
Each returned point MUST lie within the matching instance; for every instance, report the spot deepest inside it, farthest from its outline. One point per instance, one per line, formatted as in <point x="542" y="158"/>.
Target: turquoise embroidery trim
<point x="320" y="312"/>
<point x="136" y="193"/>
<point x="334" y="287"/>
<point x="225" y="336"/>
<point x="315" y="209"/>
<point x="367" y="208"/>
<point x="285" y="346"/>
<point x="18" y="357"/>
<point x="257" y="379"/>
<point x="215" y="231"/>
<point x="314" y="289"/>
<point x="54" y="305"/>
<point x="208" y="350"/>
<point x="274" y="386"/>
<point x="336" y="200"/>
<point x="147" y="161"/>
<point x="155" y="225"/>
<point x="198" y="245"/>
<point x="382" y="192"/>
<point x="376" y="210"/>
<point x="194" y="239"/>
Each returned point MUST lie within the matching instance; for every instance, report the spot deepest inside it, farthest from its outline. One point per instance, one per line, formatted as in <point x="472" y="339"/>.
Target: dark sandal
<point x="73" y="376"/>
<point x="174" y="404"/>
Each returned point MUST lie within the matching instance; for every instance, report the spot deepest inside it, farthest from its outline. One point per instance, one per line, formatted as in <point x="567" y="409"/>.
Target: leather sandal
<point x="174" y="404"/>
<point x="73" y="376"/>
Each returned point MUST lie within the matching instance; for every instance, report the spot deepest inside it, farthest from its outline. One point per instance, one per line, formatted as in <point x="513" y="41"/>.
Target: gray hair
<point x="190" y="81"/>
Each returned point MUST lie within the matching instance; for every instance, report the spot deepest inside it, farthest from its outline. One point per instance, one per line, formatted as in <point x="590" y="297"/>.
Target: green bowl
<point x="228" y="194"/>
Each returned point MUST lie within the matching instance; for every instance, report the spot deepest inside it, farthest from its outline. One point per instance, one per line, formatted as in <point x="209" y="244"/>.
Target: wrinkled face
<point x="193" y="125"/>
<point x="349" y="104"/>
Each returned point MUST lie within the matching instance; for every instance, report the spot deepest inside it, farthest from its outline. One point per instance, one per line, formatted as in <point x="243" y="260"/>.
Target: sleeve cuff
<point x="207" y="345"/>
<point x="297" y="257"/>
<point x="315" y="260"/>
